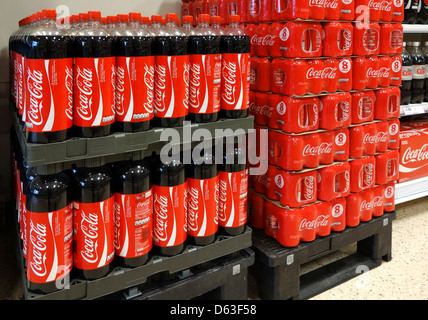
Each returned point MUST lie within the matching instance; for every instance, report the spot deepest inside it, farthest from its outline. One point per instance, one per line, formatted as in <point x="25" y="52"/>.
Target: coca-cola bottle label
<point x="49" y="247"/>
<point x="169" y="215"/>
<point x="20" y="86"/>
<point x="133" y="224"/>
<point x="134" y="88"/>
<point x="407" y="73"/>
<point x="235" y="81"/>
<point x="93" y="234"/>
<point x="202" y="206"/>
<point x="171" y="99"/>
<point x="94" y="91"/>
<point x="204" y="83"/>
<point x="49" y="94"/>
<point x="233" y="188"/>
<point x="418" y="72"/>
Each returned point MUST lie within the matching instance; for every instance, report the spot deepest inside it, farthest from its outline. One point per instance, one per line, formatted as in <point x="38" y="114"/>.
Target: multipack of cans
<point x="328" y="92"/>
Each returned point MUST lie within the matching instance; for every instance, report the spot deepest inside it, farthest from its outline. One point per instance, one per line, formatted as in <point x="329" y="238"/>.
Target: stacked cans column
<point x="328" y="92"/>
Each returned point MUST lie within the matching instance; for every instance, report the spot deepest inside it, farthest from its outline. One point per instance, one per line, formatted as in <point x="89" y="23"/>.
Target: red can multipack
<point x="295" y="152"/>
<point x="366" y="39"/>
<point x="391" y="38"/>
<point x="292" y="115"/>
<point x="291" y="189"/>
<point x="296" y="77"/>
<point x="365" y="205"/>
<point x="335" y="111"/>
<point x="334" y="181"/>
<point x="259" y="74"/>
<point x="291" y="226"/>
<point x="338" y="39"/>
<point x="413" y="150"/>
<point x="388" y="103"/>
<point x="363" y="104"/>
<point x="367" y="140"/>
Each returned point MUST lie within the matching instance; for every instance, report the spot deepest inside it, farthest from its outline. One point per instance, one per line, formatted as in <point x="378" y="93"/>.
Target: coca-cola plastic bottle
<point x="169" y="206"/>
<point x="407" y="76"/>
<point x="411" y="10"/>
<point x="418" y="69"/>
<point x="93" y="220"/>
<point x="134" y="77"/>
<point x="235" y="46"/>
<point x="94" y="79"/>
<point x="49" y="233"/>
<point x="205" y="73"/>
<point x="133" y="212"/>
<point x="187" y="25"/>
<point x="233" y="188"/>
<point x="171" y="95"/>
<point x="48" y="77"/>
<point x="202" y="200"/>
<point x="425" y="54"/>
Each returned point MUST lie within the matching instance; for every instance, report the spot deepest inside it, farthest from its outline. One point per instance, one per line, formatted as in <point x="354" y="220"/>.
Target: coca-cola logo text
<point x="149" y="79"/>
<point x="35" y="90"/>
<point x="120" y="90"/>
<point x="161" y="220"/>
<point x="320" y="221"/>
<point x="416" y="155"/>
<point x="84" y="85"/>
<point x="327" y="73"/>
<point x="323" y="148"/>
<point x="192" y="209"/>
<point x="230" y="71"/>
<point x="37" y="236"/>
<point x="160" y="86"/>
<point x="89" y="228"/>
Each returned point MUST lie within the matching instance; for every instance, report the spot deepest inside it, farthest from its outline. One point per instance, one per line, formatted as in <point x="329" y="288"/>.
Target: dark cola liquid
<point x="232" y="166"/>
<point x="235" y="44"/>
<point x="406" y="85"/>
<point x="204" y="45"/>
<point x="168" y="175"/>
<point x="133" y="46"/>
<point x="94" y="185"/>
<point x="48" y="47"/>
<point x="93" y="47"/>
<point x="411" y="11"/>
<point x="170" y="46"/>
<point x="46" y="194"/>
<point x="206" y="170"/>
<point x="131" y="178"/>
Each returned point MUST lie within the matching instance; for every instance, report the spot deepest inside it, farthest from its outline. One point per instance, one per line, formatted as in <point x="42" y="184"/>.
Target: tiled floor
<point x="403" y="278"/>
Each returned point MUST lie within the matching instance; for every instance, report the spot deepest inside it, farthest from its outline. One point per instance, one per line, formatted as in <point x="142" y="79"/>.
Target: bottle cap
<point x="204" y="18"/>
<point x="135" y="16"/>
<point x="156" y="18"/>
<point x="48" y="14"/>
<point x="234" y="18"/>
<point x="145" y="20"/>
<point x="187" y="19"/>
<point x="94" y="15"/>
<point x="83" y="16"/>
<point x="111" y="19"/>
<point x="216" y="19"/>
<point x="171" y="17"/>
<point x="122" y="18"/>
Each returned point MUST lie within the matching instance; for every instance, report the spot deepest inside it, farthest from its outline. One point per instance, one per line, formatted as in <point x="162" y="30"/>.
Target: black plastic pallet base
<point x="277" y="268"/>
<point x="225" y="278"/>
<point x="120" y="278"/>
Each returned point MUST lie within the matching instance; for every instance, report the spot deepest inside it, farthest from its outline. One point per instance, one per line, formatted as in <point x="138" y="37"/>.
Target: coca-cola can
<point x="263" y="39"/>
<point x="397" y="11"/>
<point x="259" y="74"/>
<point x="252" y="33"/>
<point x="363" y="104"/>
<point x="391" y="38"/>
<point x="334" y="181"/>
<point x="394" y="134"/>
<point x="387" y="103"/>
<point x="363" y="140"/>
<point x="338" y="39"/>
<point x="256" y="204"/>
<point x="317" y="9"/>
<point x="289" y="77"/>
<point x="389" y="193"/>
<point x="363" y="173"/>
<point x="345" y="74"/>
<point x="386" y="10"/>
<point x="335" y="111"/>
<point x="366" y="40"/>
<point x="384" y="76"/>
<point x="347" y="10"/>
<point x="373" y="72"/>
<point x="283" y="10"/>
<point x="332" y="9"/>
<point x="359" y="74"/>
<point x="387" y="167"/>
<point x="263" y="109"/>
<point x="362" y="206"/>
<point x="396" y="70"/>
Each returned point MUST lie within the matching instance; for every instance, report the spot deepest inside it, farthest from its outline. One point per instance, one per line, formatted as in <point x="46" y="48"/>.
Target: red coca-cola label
<point x="49" y="245"/>
<point x="202" y="206"/>
<point x="235" y="81"/>
<point x="134" y="88"/>
<point x="171" y="98"/>
<point x="49" y="94"/>
<point x="94" y="91"/>
<point x="233" y="199"/>
<point x="133" y="224"/>
<point x="204" y="83"/>
<point x="169" y="215"/>
<point x="93" y="234"/>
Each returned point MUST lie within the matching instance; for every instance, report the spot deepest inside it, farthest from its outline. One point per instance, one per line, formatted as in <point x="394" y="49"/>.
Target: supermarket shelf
<point x="414" y="109"/>
<point x="411" y="190"/>
<point x="415" y="28"/>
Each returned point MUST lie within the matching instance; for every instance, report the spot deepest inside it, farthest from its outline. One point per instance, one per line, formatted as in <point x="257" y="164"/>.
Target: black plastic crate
<point x="120" y="278"/>
<point x="225" y="278"/>
<point x="52" y="158"/>
<point x="277" y="268"/>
